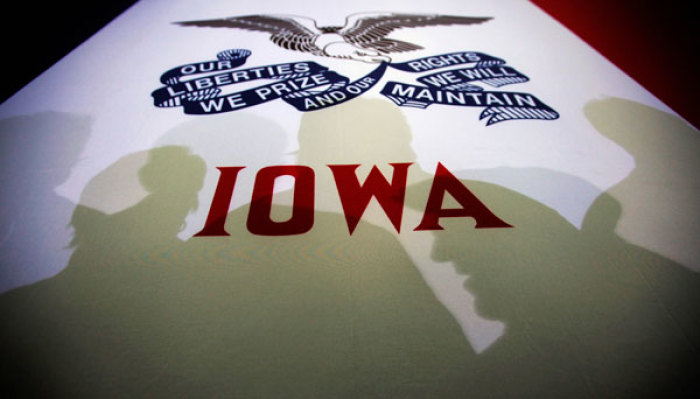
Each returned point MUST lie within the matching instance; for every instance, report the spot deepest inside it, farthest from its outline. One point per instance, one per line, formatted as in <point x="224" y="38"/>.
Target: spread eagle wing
<point x="290" y="32"/>
<point x="370" y="31"/>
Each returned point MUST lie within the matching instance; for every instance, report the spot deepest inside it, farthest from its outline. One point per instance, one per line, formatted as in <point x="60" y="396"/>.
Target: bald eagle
<point x="363" y="38"/>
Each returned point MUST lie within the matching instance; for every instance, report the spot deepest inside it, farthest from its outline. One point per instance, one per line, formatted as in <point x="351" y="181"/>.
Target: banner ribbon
<point x="308" y="86"/>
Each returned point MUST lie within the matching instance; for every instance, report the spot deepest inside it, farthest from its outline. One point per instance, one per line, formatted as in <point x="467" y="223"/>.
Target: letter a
<point x="444" y="182"/>
<point x="356" y="197"/>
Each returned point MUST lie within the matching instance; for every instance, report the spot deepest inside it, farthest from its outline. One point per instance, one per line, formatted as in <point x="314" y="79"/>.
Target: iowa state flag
<point x="371" y="199"/>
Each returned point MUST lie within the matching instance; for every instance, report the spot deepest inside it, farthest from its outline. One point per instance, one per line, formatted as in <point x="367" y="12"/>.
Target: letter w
<point x="355" y="197"/>
<point x="212" y="105"/>
<point x="436" y="80"/>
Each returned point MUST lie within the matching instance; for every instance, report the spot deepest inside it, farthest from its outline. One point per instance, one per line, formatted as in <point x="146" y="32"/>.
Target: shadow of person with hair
<point x="171" y="177"/>
<point x="140" y="313"/>
<point x="103" y="324"/>
<point x="587" y="314"/>
<point x="376" y="133"/>
<point x="661" y="197"/>
<point x="37" y="153"/>
<point x="237" y="138"/>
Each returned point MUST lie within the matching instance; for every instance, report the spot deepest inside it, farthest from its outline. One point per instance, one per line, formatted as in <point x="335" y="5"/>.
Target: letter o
<point x="259" y="220"/>
<point x="188" y="69"/>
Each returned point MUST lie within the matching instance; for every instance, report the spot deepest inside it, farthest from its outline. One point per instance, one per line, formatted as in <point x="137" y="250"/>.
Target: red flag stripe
<point x="652" y="41"/>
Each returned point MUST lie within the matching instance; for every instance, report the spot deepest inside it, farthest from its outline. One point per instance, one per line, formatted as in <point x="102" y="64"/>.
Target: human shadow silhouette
<point x="37" y="153"/>
<point x="139" y="313"/>
<point x="104" y="323"/>
<point x="661" y="196"/>
<point x="587" y="314"/>
<point x="233" y="139"/>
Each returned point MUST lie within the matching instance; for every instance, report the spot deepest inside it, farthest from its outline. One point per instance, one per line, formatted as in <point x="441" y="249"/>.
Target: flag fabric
<point x="453" y="199"/>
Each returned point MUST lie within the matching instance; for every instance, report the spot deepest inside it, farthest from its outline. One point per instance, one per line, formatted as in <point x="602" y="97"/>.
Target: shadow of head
<point x="44" y="146"/>
<point x="543" y="258"/>
<point x="172" y="171"/>
<point x="143" y="197"/>
<point x="650" y="135"/>
<point x="359" y="131"/>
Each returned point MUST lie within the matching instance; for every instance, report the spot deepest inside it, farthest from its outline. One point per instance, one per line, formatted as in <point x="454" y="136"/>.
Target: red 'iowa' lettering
<point x="354" y="197"/>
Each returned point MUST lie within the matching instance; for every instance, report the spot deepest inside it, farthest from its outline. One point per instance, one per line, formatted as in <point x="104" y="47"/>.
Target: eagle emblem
<point x="363" y="38"/>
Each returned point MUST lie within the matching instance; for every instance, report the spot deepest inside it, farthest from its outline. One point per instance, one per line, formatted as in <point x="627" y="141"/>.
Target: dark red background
<point x="655" y="42"/>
